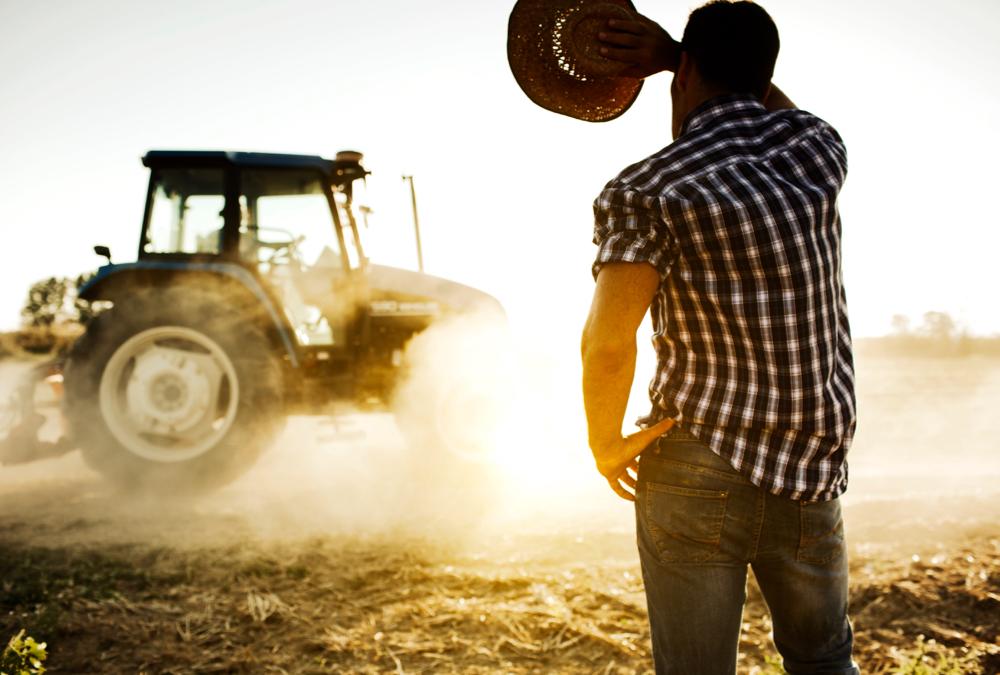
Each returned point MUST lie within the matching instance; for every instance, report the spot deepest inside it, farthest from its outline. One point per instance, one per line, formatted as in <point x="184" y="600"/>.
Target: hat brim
<point x="541" y="68"/>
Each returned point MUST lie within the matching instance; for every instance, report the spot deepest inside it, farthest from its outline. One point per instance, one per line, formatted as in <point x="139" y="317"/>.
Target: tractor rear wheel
<point x="171" y="391"/>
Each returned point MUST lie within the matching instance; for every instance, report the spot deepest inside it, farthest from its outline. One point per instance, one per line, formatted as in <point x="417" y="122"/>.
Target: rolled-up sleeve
<point x="629" y="227"/>
<point x="837" y="149"/>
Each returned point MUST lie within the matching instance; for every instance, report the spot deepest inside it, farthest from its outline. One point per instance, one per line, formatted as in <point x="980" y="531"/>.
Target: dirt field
<point x="527" y="603"/>
<point x="315" y="563"/>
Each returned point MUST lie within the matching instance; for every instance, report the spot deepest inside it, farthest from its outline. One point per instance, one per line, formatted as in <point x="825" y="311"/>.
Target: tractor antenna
<point x="416" y="222"/>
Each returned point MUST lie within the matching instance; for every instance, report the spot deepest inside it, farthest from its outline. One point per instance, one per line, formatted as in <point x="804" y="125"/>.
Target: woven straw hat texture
<point x="553" y="52"/>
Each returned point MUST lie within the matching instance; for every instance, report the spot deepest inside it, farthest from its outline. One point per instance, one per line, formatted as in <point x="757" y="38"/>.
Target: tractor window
<point x="286" y="218"/>
<point x="187" y="212"/>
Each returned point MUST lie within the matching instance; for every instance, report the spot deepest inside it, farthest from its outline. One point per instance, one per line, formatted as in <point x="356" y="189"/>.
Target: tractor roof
<point x="338" y="169"/>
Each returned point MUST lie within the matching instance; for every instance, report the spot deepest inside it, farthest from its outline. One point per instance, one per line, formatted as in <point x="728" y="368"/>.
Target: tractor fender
<point x="115" y="280"/>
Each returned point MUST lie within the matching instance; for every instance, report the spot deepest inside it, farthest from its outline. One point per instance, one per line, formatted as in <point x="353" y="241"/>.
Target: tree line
<point x="53" y="314"/>
<point x="936" y="334"/>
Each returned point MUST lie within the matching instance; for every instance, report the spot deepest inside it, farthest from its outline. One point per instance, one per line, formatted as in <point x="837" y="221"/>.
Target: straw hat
<point x="553" y="51"/>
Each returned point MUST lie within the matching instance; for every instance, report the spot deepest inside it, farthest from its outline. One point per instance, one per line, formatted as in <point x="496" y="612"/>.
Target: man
<point x="731" y="236"/>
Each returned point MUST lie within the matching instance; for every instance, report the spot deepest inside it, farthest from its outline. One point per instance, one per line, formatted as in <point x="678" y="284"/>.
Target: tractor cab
<point x="290" y="220"/>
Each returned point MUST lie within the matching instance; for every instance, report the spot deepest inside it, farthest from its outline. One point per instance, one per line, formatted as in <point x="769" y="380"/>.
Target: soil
<point x="129" y="593"/>
<point x="326" y="559"/>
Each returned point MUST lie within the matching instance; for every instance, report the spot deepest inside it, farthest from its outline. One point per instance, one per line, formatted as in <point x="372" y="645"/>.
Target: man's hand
<point x="643" y="44"/>
<point x="616" y="458"/>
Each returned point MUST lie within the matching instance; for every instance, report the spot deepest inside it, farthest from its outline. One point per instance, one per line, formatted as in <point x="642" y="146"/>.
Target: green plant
<point x="931" y="659"/>
<point x="773" y="666"/>
<point x="22" y="656"/>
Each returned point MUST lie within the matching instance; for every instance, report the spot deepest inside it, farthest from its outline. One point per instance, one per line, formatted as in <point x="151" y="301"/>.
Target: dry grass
<point x="407" y="606"/>
<point x="206" y="592"/>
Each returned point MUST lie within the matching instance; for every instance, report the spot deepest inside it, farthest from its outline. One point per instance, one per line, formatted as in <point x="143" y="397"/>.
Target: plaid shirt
<point x="739" y="216"/>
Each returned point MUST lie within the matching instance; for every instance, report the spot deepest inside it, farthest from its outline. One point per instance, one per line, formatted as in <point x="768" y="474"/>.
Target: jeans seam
<point x="653" y="486"/>
<point x="805" y="541"/>
<point x="814" y="560"/>
<point x="759" y="517"/>
<point x="735" y="478"/>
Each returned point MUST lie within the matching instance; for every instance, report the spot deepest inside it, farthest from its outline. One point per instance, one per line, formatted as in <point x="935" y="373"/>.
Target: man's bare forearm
<point x="607" y="382"/>
<point x="623" y="295"/>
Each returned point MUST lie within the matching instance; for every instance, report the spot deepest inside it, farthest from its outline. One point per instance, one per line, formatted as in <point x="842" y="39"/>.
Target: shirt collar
<point x="719" y="107"/>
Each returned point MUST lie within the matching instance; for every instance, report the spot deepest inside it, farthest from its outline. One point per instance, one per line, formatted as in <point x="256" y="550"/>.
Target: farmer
<point x="730" y="236"/>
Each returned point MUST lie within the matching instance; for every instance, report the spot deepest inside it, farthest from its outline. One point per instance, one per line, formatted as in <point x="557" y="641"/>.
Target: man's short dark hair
<point x="733" y="45"/>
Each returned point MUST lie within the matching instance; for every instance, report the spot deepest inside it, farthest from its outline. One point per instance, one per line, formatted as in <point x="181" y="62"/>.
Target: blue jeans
<point x="699" y="524"/>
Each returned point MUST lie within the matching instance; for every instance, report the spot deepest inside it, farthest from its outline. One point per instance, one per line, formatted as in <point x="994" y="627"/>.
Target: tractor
<point x="251" y="299"/>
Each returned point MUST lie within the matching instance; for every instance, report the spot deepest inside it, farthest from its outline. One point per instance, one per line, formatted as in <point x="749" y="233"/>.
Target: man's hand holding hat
<point x="641" y="43"/>
<point x="555" y="56"/>
<point x="585" y="58"/>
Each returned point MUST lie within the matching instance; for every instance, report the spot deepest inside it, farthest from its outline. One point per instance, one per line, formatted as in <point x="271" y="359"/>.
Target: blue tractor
<point x="251" y="299"/>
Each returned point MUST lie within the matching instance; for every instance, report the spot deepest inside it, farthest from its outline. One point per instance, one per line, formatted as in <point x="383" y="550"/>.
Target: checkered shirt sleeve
<point x="629" y="227"/>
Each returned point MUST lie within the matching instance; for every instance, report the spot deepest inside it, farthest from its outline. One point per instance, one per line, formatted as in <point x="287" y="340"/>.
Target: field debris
<point x="364" y="606"/>
<point x="307" y="568"/>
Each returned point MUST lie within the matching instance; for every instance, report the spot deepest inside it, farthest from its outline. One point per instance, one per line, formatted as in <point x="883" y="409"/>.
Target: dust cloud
<point x="925" y="464"/>
<point x="484" y="437"/>
<point x="487" y="441"/>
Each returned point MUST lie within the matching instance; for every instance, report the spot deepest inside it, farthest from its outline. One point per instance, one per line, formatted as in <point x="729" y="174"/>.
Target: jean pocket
<point x="683" y="524"/>
<point x="821" y="532"/>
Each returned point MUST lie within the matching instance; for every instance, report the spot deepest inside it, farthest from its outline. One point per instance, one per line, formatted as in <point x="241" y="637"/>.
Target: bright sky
<point x="505" y="188"/>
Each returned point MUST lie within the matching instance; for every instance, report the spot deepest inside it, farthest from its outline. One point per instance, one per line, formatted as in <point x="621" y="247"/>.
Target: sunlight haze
<point x="504" y="187"/>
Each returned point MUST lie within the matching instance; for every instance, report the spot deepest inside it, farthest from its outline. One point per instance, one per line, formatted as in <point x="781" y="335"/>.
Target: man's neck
<point x="703" y="94"/>
<point x="692" y="101"/>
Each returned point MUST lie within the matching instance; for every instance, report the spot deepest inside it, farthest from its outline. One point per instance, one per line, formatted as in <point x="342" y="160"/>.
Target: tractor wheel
<point x="171" y="391"/>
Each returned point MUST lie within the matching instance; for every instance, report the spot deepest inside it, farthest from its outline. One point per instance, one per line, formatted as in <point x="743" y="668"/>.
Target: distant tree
<point x="900" y="324"/>
<point x="46" y="303"/>
<point x="55" y="302"/>
<point x="84" y="309"/>
<point x="938" y="334"/>
<point x="939" y="326"/>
